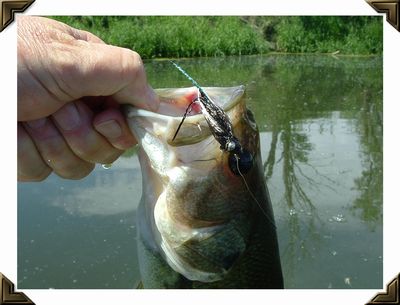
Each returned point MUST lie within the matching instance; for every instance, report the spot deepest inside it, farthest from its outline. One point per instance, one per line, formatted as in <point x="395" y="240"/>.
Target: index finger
<point x="105" y="70"/>
<point x="64" y="66"/>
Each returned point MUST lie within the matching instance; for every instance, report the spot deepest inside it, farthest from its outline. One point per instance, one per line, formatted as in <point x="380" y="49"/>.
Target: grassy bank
<point x="195" y="36"/>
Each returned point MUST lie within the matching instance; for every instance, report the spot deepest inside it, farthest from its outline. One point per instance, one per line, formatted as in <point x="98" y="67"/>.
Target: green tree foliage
<point x="328" y="34"/>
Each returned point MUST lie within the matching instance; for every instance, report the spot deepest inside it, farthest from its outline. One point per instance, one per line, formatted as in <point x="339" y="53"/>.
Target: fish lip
<point x="171" y="122"/>
<point x="133" y="111"/>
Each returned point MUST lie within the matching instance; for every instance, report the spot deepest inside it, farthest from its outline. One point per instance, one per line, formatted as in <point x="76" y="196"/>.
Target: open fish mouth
<point x="195" y="212"/>
<point x="172" y="107"/>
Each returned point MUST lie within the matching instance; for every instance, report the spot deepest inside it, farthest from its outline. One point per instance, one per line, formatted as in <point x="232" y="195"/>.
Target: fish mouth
<point x="196" y="212"/>
<point x="173" y="104"/>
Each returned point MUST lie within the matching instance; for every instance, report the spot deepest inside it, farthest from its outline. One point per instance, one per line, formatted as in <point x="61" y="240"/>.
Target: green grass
<point x="203" y="36"/>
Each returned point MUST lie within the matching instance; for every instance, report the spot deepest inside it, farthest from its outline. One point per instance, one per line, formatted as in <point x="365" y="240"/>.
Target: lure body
<point x="219" y="123"/>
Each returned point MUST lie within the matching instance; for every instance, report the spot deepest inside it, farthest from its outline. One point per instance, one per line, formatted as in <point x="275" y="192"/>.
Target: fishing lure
<point x="240" y="160"/>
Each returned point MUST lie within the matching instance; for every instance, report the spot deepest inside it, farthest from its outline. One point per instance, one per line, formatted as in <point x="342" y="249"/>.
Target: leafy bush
<point x="175" y="36"/>
<point x="327" y="34"/>
<point x="197" y="36"/>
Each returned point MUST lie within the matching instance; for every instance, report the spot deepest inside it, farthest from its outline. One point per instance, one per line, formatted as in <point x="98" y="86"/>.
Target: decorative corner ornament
<point x="391" y="8"/>
<point x="9" y="8"/>
<point x="391" y="296"/>
<point x="8" y="296"/>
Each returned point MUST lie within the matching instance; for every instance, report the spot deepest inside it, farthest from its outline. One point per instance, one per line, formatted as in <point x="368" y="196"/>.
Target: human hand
<point x="70" y="86"/>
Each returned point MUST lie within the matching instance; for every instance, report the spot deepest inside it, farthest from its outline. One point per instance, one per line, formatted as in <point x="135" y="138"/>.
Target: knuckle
<point x="53" y="150"/>
<point x="65" y="71"/>
<point x="124" y="143"/>
<point x="132" y="65"/>
<point x="44" y="174"/>
<point x="112" y="157"/>
<point x="31" y="165"/>
<point x="89" y="153"/>
<point x="35" y="175"/>
<point x="75" y="171"/>
<point x="64" y="162"/>
<point x="103" y="153"/>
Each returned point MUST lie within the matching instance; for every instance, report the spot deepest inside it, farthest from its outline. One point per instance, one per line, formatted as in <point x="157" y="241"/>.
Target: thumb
<point x="61" y="68"/>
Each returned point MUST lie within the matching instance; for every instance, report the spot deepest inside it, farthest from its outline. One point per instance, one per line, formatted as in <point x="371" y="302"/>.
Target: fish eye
<point x="230" y="146"/>
<point x="240" y="163"/>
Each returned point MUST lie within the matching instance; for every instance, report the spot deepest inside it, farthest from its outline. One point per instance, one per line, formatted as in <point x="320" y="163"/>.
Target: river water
<point x="320" y="120"/>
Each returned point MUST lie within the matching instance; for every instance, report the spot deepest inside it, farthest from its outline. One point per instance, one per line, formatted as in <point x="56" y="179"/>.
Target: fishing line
<point x="252" y="195"/>
<point x="188" y="110"/>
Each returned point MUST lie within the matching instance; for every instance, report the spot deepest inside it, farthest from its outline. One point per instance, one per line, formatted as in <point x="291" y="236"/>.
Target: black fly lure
<point x="240" y="160"/>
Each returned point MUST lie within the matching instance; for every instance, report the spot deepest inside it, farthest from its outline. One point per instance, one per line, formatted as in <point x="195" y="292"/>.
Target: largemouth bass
<point x="200" y="223"/>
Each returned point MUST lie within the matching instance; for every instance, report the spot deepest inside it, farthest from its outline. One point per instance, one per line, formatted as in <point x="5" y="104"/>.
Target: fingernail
<point x="37" y="124"/>
<point x="110" y="129"/>
<point x="68" y="117"/>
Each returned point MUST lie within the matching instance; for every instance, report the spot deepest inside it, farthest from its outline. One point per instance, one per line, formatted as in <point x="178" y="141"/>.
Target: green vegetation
<point x="204" y="36"/>
<point x="348" y="35"/>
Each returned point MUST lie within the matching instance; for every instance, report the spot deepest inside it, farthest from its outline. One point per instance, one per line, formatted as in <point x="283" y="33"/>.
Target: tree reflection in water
<point x="356" y="97"/>
<point x="369" y="125"/>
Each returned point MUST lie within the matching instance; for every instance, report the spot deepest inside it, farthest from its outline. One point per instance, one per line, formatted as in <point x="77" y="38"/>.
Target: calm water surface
<point x="320" y="120"/>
